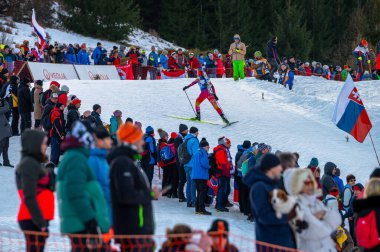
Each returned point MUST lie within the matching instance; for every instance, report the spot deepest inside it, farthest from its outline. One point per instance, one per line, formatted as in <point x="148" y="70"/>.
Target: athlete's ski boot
<point x="224" y="119"/>
<point x="197" y="117"/>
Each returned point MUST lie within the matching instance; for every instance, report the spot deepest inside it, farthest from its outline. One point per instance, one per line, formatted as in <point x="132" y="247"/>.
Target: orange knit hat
<point x="129" y="133"/>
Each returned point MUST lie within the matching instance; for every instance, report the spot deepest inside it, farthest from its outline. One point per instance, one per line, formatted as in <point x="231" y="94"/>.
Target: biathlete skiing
<point x="207" y="92"/>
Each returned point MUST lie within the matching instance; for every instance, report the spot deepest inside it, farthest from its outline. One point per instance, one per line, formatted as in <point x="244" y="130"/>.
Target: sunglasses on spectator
<point x="308" y="182"/>
<point x="236" y="38"/>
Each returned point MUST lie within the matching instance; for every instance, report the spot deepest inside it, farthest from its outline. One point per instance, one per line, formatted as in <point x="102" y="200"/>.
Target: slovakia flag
<point x="350" y="114"/>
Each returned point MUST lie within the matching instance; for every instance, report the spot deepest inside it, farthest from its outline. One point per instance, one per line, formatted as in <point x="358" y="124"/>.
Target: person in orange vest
<point x="35" y="184"/>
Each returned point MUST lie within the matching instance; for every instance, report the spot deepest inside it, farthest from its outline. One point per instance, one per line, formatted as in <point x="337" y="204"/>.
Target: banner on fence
<point x="50" y="72"/>
<point x="125" y="72"/>
<point x="167" y="74"/>
<point x="91" y="72"/>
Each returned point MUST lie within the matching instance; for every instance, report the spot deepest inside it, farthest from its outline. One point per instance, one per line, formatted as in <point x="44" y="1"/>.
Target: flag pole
<point x="373" y="145"/>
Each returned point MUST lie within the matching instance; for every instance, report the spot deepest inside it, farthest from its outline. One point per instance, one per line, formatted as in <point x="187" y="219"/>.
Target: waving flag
<point x="350" y="114"/>
<point x="39" y="31"/>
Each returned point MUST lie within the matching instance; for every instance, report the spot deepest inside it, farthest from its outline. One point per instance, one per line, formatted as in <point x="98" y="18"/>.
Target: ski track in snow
<point x="299" y="120"/>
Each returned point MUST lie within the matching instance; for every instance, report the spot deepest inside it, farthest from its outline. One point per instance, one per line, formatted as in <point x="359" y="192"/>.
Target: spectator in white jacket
<point x="321" y="220"/>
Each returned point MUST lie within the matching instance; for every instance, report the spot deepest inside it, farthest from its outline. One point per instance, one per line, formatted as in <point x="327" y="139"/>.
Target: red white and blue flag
<point x="39" y="31"/>
<point x="350" y="114"/>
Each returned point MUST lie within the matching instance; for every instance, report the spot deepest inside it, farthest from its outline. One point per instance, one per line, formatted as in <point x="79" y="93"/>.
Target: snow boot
<point x="7" y="164"/>
<point x="203" y="212"/>
<point x="224" y="119"/>
<point x="224" y="209"/>
<point x="182" y="200"/>
<point x="197" y="117"/>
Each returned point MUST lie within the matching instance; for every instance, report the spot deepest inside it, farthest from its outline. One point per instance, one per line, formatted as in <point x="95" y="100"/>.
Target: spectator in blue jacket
<point x="200" y="175"/>
<point x="155" y="56"/>
<point x="150" y="156"/>
<point x="96" y="53"/>
<point x="70" y="55"/>
<point x="286" y="77"/>
<point x="338" y="180"/>
<point x="164" y="59"/>
<point x="262" y="180"/>
<point x="192" y="146"/>
<point x="83" y="58"/>
<point x="9" y="57"/>
<point x="210" y="65"/>
<point x="98" y="162"/>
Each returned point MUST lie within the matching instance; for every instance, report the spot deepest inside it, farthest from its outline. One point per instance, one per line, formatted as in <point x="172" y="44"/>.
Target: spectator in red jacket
<point x="194" y="65"/>
<point x="219" y="66"/>
<point x="114" y="58"/>
<point x="223" y="162"/>
<point x="172" y="61"/>
<point x="308" y="70"/>
<point x="133" y="56"/>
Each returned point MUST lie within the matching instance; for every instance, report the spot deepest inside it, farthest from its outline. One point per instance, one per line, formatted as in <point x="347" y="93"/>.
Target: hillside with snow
<point x="298" y="120"/>
<point x="138" y="37"/>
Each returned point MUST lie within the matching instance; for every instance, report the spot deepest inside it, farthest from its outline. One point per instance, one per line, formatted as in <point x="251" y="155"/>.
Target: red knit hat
<point x="76" y="101"/>
<point x="173" y="135"/>
<point x="55" y="83"/>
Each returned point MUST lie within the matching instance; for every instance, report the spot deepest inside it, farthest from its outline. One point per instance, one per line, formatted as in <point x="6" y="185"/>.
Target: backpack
<point x="183" y="154"/>
<point x="367" y="233"/>
<point x="213" y="165"/>
<point x="244" y="167"/>
<point x="349" y="202"/>
<point x="166" y="154"/>
<point x="46" y="122"/>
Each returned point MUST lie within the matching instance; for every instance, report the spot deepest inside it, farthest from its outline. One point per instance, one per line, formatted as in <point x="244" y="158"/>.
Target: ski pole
<point x="195" y="113"/>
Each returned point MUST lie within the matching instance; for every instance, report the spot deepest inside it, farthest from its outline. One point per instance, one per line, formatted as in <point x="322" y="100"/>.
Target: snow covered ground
<point x="298" y="120"/>
<point x="138" y="38"/>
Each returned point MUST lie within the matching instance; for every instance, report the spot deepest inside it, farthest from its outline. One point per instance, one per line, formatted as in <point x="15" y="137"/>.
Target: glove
<point x="360" y="58"/>
<point x="184" y="88"/>
<point x="216" y="97"/>
<point x="237" y="50"/>
<point x="91" y="226"/>
<point x="369" y="61"/>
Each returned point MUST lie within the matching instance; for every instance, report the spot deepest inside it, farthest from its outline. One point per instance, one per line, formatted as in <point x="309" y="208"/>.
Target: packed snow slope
<point x="298" y="120"/>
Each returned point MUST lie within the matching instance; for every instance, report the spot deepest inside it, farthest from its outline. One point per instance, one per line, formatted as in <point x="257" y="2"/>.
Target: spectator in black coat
<point x="131" y="195"/>
<point x="96" y="111"/>
<point x="183" y="131"/>
<point x="14" y="105"/>
<point x="272" y="56"/>
<point x="327" y="180"/>
<point x="25" y="106"/>
<point x="73" y="115"/>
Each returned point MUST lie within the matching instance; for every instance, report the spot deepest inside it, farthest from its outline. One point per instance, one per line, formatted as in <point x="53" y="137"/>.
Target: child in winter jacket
<point x="286" y="77"/>
<point x="115" y="122"/>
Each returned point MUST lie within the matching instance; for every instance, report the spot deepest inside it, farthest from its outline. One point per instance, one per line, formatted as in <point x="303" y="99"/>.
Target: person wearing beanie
<point x="25" y="105"/>
<point x="96" y="112"/>
<point x="115" y="122"/>
<point x="183" y="132"/>
<point x="63" y="95"/>
<point x="167" y="161"/>
<point x="78" y="188"/>
<point x="129" y="120"/>
<point x="219" y="232"/>
<point x="38" y="109"/>
<point x="200" y="174"/>
<point x="53" y="88"/>
<point x="131" y="196"/>
<point x="192" y="145"/>
<point x="327" y="180"/>
<point x="98" y="162"/>
<point x="262" y="180"/>
<point x="57" y="132"/>
<point x="149" y="156"/>
<point x="138" y="125"/>
<point x="375" y="173"/>
<point x="313" y="163"/>
<point x="321" y="220"/>
<point x="246" y="147"/>
<point x="338" y="180"/>
<point x="73" y="114"/>
<point x="223" y="174"/>
<point x="272" y="56"/>
<point x="237" y="51"/>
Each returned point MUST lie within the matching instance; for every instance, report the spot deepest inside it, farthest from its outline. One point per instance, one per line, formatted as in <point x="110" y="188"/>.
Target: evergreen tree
<point x="111" y="19"/>
<point x="150" y="14"/>
<point x="293" y="37"/>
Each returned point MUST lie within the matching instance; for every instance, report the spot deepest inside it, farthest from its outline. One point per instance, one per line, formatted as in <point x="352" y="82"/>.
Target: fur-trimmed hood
<point x="294" y="179"/>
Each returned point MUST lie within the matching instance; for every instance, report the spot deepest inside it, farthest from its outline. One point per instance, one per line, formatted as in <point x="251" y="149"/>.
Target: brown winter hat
<point x="162" y="133"/>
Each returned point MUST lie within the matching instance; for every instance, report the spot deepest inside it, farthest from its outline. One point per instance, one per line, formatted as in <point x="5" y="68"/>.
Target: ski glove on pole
<point x="216" y="97"/>
<point x="184" y="88"/>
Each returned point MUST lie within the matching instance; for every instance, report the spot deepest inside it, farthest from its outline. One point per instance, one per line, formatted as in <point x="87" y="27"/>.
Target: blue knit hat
<point x="149" y="130"/>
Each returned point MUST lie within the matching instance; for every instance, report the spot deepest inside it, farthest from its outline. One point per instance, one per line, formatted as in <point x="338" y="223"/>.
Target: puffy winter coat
<point x="210" y="63"/>
<point x="317" y="236"/>
<point x="99" y="165"/>
<point x="222" y="162"/>
<point x="24" y="99"/>
<point x="62" y="98"/>
<point x="70" y="56"/>
<point x="114" y="125"/>
<point x="97" y="118"/>
<point x="5" y="128"/>
<point x="268" y="227"/>
<point x="155" y="59"/>
<point x="327" y="180"/>
<point x="194" y="63"/>
<point x="133" y="56"/>
<point x="237" y="51"/>
<point x="34" y="185"/>
<point x="181" y="61"/>
<point x="96" y="55"/>
<point x="172" y="63"/>
<point x="37" y="103"/>
<point x="151" y="144"/>
<point x="72" y="116"/>
<point x="80" y="196"/>
<point x="164" y="61"/>
<point x="130" y="194"/>
<point x="192" y="146"/>
<point x="83" y="58"/>
<point x="57" y="122"/>
<point x="200" y="165"/>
